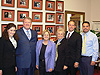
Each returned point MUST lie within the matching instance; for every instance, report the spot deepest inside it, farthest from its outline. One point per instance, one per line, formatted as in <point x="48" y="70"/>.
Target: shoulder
<point x="33" y="31"/>
<point x="52" y="43"/>
<point x="93" y="35"/>
<point x="77" y="34"/>
<point x="2" y="39"/>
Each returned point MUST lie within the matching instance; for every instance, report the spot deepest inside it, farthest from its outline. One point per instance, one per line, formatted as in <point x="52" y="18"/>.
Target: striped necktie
<point x="83" y="45"/>
<point x="28" y="35"/>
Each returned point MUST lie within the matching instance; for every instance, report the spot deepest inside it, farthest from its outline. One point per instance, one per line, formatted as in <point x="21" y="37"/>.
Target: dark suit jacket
<point x="63" y="58"/>
<point x="74" y="46"/>
<point x="26" y="49"/>
<point x="7" y="54"/>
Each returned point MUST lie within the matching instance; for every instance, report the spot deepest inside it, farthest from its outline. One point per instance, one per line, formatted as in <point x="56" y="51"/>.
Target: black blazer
<point x="7" y="54"/>
<point x="62" y="55"/>
<point x="74" y="45"/>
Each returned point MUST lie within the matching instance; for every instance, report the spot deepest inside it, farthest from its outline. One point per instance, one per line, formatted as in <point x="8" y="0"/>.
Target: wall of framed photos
<point x="45" y="14"/>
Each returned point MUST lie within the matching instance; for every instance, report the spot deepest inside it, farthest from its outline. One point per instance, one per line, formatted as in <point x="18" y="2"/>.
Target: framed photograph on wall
<point x="59" y="26"/>
<point x="37" y="28"/>
<point x="7" y="15"/>
<point x="3" y="26"/>
<point x="50" y="5"/>
<point x="50" y="17"/>
<point x="39" y="38"/>
<point x="51" y="28"/>
<point x="22" y="15"/>
<point x="37" y="4"/>
<point x="19" y="26"/>
<point x="23" y="3"/>
<point x="53" y="39"/>
<point x="59" y="18"/>
<point x="37" y="16"/>
<point x="8" y="3"/>
<point x="59" y="6"/>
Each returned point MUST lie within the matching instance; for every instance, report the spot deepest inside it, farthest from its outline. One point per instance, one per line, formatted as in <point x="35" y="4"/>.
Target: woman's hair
<point x="60" y="29"/>
<point x="5" y="33"/>
<point x="44" y="33"/>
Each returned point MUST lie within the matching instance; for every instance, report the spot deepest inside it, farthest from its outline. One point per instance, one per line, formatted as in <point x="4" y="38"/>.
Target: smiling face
<point x="27" y="24"/>
<point x="85" y="27"/>
<point x="60" y="35"/>
<point x="46" y="36"/>
<point x="11" y="31"/>
<point x="71" y="26"/>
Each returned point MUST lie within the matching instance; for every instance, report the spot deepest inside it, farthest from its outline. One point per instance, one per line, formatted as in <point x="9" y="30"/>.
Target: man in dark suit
<point x="74" y="42"/>
<point x="26" y="50"/>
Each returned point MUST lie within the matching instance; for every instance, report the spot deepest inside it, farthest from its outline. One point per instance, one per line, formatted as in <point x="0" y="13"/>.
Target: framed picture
<point x="51" y="28"/>
<point x="59" y="26"/>
<point x="53" y="39"/>
<point x="37" y="28"/>
<point x="8" y="3"/>
<point x="3" y="27"/>
<point x="19" y="26"/>
<point x="59" y="5"/>
<point x="37" y="16"/>
<point x="50" y="17"/>
<point x="59" y="18"/>
<point x="39" y="38"/>
<point x="23" y="3"/>
<point x="37" y="4"/>
<point x="50" y="5"/>
<point x="7" y="15"/>
<point x="22" y="15"/>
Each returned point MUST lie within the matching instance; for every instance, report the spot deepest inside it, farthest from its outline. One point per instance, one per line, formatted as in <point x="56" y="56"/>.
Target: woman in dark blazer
<point x="45" y="54"/>
<point x="61" y="60"/>
<point x="8" y="44"/>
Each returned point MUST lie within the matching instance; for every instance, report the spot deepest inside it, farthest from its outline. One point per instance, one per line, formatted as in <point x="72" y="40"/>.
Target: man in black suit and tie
<point x="26" y="49"/>
<point x="74" y="42"/>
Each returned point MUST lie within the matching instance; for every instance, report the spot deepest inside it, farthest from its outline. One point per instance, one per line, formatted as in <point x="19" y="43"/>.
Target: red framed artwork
<point x="7" y="15"/>
<point x="22" y="15"/>
<point x="39" y="38"/>
<point x="59" y="26"/>
<point x="59" y="5"/>
<point x="37" y="16"/>
<point x="50" y="5"/>
<point x="8" y="3"/>
<point x="19" y="26"/>
<point x="37" y="4"/>
<point x="50" y="17"/>
<point x="53" y="39"/>
<point x="3" y="27"/>
<point x="37" y="28"/>
<point x="59" y="18"/>
<point x="51" y="28"/>
<point x="23" y="3"/>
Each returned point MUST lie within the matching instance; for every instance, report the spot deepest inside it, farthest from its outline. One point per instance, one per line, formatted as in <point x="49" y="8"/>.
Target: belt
<point x="86" y="56"/>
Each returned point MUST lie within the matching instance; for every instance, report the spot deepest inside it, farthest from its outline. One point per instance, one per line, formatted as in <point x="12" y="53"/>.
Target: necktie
<point x="83" y="45"/>
<point x="28" y="35"/>
<point x="68" y="36"/>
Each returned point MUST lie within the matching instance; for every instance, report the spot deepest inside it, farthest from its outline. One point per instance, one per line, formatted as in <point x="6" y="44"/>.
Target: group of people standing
<point x="21" y="52"/>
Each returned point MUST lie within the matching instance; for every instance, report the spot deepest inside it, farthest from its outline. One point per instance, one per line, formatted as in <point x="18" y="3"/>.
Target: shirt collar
<point x="86" y="33"/>
<point x="26" y="30"/>
<point x="71" y="32"/>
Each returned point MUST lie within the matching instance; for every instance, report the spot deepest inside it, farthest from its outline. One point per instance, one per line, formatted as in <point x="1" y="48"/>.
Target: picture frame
<point x="37" y="16"/>
<point x="51" y="28"/>
<point x="8" y="3"/>
<point x="3" y="27"/>
<point x="59" y="18"/>
<point x="39" y="38"/>
<point x="22" y="3"/>
<point x="22" y="15"/>
<point x="37" y="28"/>
<point x="60" y="6"/>
<point x="50" y="17"/>
<point x="53" y="39"/>
<point x="19" y="26"/>
<point x="7" y="15"/>
<point x="96" y="26"/>
<point x="37" y="4"/>
<point x="50" y="5"/>
<point x="59" y="26"/>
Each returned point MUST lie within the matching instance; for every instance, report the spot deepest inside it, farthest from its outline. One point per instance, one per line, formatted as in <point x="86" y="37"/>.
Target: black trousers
<point x="42" y="70"/>
<point x="9" y="71"/>
<point x="59" y="72"/>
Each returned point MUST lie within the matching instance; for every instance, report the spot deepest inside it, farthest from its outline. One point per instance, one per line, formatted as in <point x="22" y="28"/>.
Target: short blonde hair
<point x="44" y="33"/>
<point x="60" y="29"/>
<point x="27" y="18"/>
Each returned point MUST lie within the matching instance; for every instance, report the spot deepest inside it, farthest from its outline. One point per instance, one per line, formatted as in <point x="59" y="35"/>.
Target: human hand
<point x="92" y="63"/>
<point x="50" y="70"/>
<point x="15" y="69"/>
<point x="37" y="66"/>
<point x="65" y="67"/>
<point x="76" y="64"/>
<point x="0" y="72"/>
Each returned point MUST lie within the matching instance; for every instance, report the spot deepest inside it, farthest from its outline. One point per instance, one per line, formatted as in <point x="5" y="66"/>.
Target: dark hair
<point x="72" y="21"/>
<point x="5" y="33"/>
<point x="86" y="22"/>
